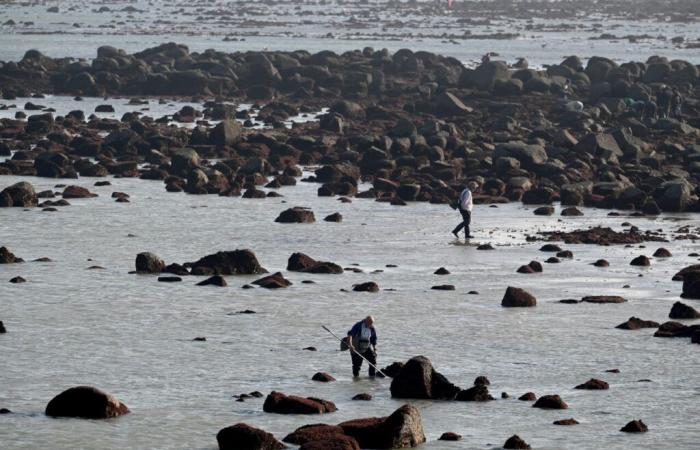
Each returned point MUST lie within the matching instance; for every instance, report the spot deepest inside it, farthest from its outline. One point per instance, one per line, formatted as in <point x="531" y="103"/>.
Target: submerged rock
<point x="515" y="442"/>
<point x="550" y="402"/>
<point x="7" y="257"/>
<point x="682" y="311"/>
<point x="635" y="426"/>
<point x="322" y="376"/>
<point x="85" y="402"/>
<point x="296" y="215"/>
<point x="147" y="262"/>
<point x="274" y="281"/>
<point x="635" y="323"/>
<point x="450" y="436"/>
<point x="242" y="436"/>
<point x="236" y="262"/>
<point x="300" y="262"/>
<point x="593" y="384"/>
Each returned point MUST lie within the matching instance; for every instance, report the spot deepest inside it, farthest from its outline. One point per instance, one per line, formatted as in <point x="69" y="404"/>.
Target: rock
<point x="241" y="436"/>
<point x="515" y="442"/>
<point x="402" y="429"/>
<point x="681" y="274"/>
<point x="7" y="257"/>
<point x="550" y="248"/>
<point x="635" y="426"/>
<point x="280" y="403"/>
<point x="443" y="287"/>
<point x="481" y="381"/>
<point x="441" y="271"/>
<point x="393" y="369"/>
<point x="363" y="397"/>
<point x="418" y="379"/>
<point x="672" y="329"/>
<point x="322" y="376"/>
<point x="525" y="269"/>
<point x="20" y="195"/>
<point x="601" y="263"/>
<point x="335" y="217"/>
<point x="225" y="134"/>
<point x="485" y="247"/>
<point x="369" y="286"/>
<point x="2" y="328"/>
<point x="149" y="263"/>
<point x="450" y="436"/>
<point x="516" y="297"/>
<point x="236" y="262"/>
<point x="571" y="421"/>
<point x="77" y="192"/>
<point x="550" y="402"/>
<point x="640" y="261"/>
<point x="603" y="299"/>
<point x="338" y="442"/>
<point x="5" y="411"/>
<point x="299" y="262"/>
<point x="635" y="323"/>
<point x="571" y="211"/>
<point x="314" y="432"/>
<point x="593" y="384"/>
<point x="529" y="155"/>
<point x="296" y="215"/>
<point x="85" y="402"/>
<point x="544" y="211"/>
<point x="683" y="311"/>
<point x="478" y="393"/>
<point x="216" y="280"/>
<point x="169" y="279"/>
<point x="274" y="281"/>
<point x="662" y="253"/>
<point x="17" y="280"/>
<point x="528" y="397"/>
<point x="447" y="104"/>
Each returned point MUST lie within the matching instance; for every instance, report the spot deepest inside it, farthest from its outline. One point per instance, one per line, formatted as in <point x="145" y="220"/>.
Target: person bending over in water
<point x="465" y="205"/>
<point x="362" y="337"/>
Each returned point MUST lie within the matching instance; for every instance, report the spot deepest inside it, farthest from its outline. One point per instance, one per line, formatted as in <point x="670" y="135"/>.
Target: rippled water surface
<point x="133" y="336"/>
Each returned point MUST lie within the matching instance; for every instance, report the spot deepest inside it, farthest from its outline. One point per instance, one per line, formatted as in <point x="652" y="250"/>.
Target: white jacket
<point x="465" y="200"/>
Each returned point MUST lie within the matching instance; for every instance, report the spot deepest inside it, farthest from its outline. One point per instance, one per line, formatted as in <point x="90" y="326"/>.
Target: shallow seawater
<point x="149" y="107"/>
<point x="132" y="336"/>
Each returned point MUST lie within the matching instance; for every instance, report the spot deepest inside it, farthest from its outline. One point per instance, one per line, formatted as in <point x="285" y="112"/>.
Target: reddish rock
<point x="242" y="436"/>
<point x="322" y="376"/>
<point x="402" y="429"/>
<point x="300" y="262"/>
<point x="418" y="379"/>
<point x="635" y="426"/>
<point x="593" y="384"/>
<point x="313" y="432"/>
<point x="680" y="275"/>
<point x="528" y="397"/>
<point x="635" y="323"/>
<point x="280" y="403"/>
<point x="571" y="211"/>
<point x="85" y="402"/>
<point x="296" y="215"/>
<point x="516" y="297"/>
<point x="363" y="397"/>
<point x="77" y="192"/>
<point x="550" y="402"/>
<point x="274" y="281"/>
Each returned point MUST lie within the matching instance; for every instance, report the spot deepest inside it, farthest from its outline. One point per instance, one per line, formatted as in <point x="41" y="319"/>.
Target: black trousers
<point x="357" y="361"/>
<point x="466" y="220"/>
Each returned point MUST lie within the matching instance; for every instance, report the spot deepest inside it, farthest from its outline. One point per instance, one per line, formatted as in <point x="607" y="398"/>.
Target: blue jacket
<point x="357" y="329"/>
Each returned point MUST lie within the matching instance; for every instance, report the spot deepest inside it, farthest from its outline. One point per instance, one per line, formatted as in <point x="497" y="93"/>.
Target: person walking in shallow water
<point x="363" y="338"/>
<point x="465" y="205"/>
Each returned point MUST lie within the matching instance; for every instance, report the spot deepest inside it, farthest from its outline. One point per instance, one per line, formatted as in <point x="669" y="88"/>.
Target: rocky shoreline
<point x="417" y="125"/>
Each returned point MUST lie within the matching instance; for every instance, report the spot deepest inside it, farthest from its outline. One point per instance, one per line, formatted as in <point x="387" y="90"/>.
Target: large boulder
<point x="236" y="262"/>
<point x="85" y="402"/>
<point x="20" y="195"/>
<point x="147" y="262"/>
<point x="674" y="196"/>
<point x="691" y="285"/>
<point x="300" y="262"/>
<point x="418" y="379"/>
<point x="7" y="257"/>
<point x="226" y="133"/>
<point x="280" y="403"/>
<point x="682" y="311"/>
<point x="486" y="75"/>
<point x="516" y="297"/>
<point x="402" y="429"/>
<point x="242" y="436"/>
<point x="529" y="155"/>
<point x="313" y="432"/>
<point x="296" y="215"/>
